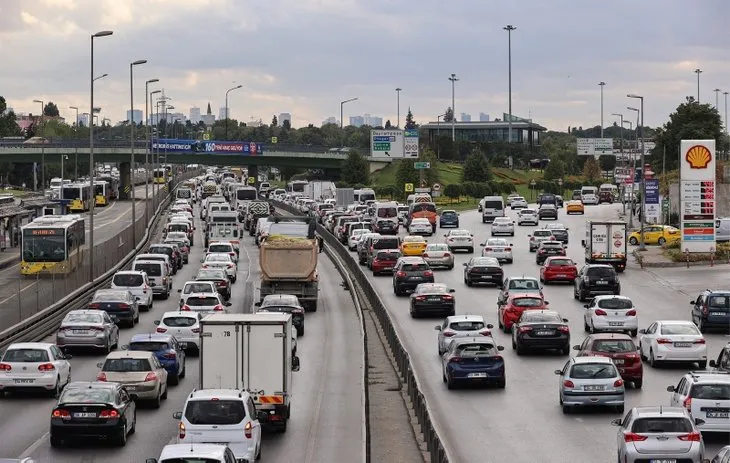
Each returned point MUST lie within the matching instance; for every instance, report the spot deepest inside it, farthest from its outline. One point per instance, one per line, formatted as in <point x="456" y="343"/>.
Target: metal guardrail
<point x="436" y="449"/>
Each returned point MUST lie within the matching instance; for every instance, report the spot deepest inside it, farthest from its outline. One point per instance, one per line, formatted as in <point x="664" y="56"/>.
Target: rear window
<point x="548" y="244"/>
<point x="679" y="329"/>
<point x="561" y="262"/>
<point x="201" y="301"/>
<point x="88" y="395"/>
<point x="384" y="255"/>
<point x="197" y="288"/>
<point x="437" y="247"/>
<point x="542" y="233"/>
<point x="432" y="289"/>
<point x="178" y="322"/>
<point x="661" y="425"/>
<point x="493" y="205"/>
<point x="424" y="207"/>
<point x="466" y="326"/>
<point x="126" y="364"/>
<point x="83" y="318"/>
<point x="385" y="243"/>
<point x="211" y="273"/>
<point x="530" y="317"/>
<point x="128" y="280"/>
<point x="215" y="412"/>
<point x="524" y="284"/>
<point x="601" y="272"/>
<point x="711" y="391"/>
<point x="25" y="355"/>
<point x="111" y="296"/>
<point x="153" y="270"/>
<point x="476" y="350"/>
<point x="613" y="346"/>
<point x="387" y="212"/>
<point x="615" y="303"/>
<point x="414" y="267"/>
<point x="527" y="302"/>
<point x="149" y="346"/>
<point x="593" y="371"/>
<point x="177" y="227"/>
<point x="719" y="301"/>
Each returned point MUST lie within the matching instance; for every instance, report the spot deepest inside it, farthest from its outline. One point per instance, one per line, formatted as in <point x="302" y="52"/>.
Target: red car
<point x="509" y="312"/>
<point x="621" y="349"/>
<point x="385" y="260"/>
<point x="558" y="268"/>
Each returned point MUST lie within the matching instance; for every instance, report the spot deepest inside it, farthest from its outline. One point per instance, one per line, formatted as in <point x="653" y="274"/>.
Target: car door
<point x="647" y="338"/>
<point x="61" y="363"/>
<point x="128" y="406"/>
<point x="159" y="370"/>
<point x="579" y="277"/>
<point x="255" y="420"/>
<point x="697" y="307"/>
<point x="676" y="399"/>
<point x="588" y="313"/>
<point x="111" y="328"/>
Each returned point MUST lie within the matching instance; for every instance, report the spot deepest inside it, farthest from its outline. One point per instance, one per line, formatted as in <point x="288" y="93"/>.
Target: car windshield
<point x="432" y="289"/>
<point x="679" y="329"/>
<point x="593" y="371"/>
<point x="415" y="267"/>
<point x="83" y="318"/>
<point x="722" y="302"/>
<point x="476" y="350"/>
<point x="711" y="391"/>
<point x="497" y="242"/>
<point x="179" y="322"/>
<point x="437" y="247"/>
<point x="615" y="303"/>
<point x="524" y="284"/>
<point x="149" y="346"/>
<point x="212" y="274"/>
<point x="661" y="425"/>
<point x="202" y="301"/>
<point x="613" y="346"/>
<point x="215" y="412"/>
<point x="126" y="364"/>
<point x="197" y="288"/>
<point x="111" y="296"/>
<point x="466" y="325"/>
<point x="25" y="355"/>
<point x="88" y="395"/>
<point x="561" y="262"/>
<point x="527" y="302"/>
<point x="153" y="270"/>
<point x="128" y="279"/>
<point x="531" y="317"/>
<point x="542" y="233"/>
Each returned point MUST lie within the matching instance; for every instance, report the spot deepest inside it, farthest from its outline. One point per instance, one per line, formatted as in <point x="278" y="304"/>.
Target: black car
<point x="219" y="277"/>
<point x="120" y="304"/>
<point x="548" y="249"/>
<point x="560" y="232"/>
<point x="433" y="297"/>
<point x="483" y="270"/>
<point x="711" y="309"/>
<point x="101" y="410"/>
<point x="547" y="211"/>
<point x="410" y="272"/>
<point x="169" y="250"/>
<point x="284" y="303"/>
<point x="541" y="329"/>
<point x="594" y="280"/>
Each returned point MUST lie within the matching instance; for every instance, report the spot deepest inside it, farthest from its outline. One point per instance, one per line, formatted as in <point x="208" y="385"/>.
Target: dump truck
<point x="605" y="243"/>
<point x="288" y="260"/>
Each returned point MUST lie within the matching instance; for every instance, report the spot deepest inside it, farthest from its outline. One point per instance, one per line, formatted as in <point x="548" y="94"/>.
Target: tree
<point x="50" y="110"/>
<point x="286" y="124"/>
<point x="591" y="170"/>
<point x="405" y="173"/>
<point x="449" y="115"/>
<point x="410" y="122"/>
<point x="453" y="191"/>
<point x="476" y="168"/>
<point x="691" y="120"/>
<point x="388" y="125"/>
<point x="274" y="121"/>
<point x="554" y="170"/>
<point x="355" y="169"/>
<point x="8" y="126"/>
<point x="607" y="162"/>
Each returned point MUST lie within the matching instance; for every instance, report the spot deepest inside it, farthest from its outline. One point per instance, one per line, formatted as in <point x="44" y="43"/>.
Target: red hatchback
<point x="385" y="260"/>
<point x="511" y="311"/>
<point x="621" y="349"/>
<point x="558" y="268"/>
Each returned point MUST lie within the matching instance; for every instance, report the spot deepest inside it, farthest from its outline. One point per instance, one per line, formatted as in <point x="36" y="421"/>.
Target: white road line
<point x="34" y="446"/>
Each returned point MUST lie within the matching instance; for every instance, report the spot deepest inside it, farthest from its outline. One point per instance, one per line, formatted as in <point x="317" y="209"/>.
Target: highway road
<point x="524" y="422"/>
<point x="326" y="422"/>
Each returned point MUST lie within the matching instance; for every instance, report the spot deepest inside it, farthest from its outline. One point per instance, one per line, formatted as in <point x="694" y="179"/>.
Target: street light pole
<point x="227" y="92"/>
<point x="602" y="84"/>
<point x="632" y="173"/>
<point x="623" y="195"/>
<point x="91" y="156"/>
<point x="152" y="151"/>
<point x="717" y="99"/>
<point x="397" y="91"/>
<point x="342" y="117"/>
<point x="147" y="149"/>
<point x="131" y="146"/>
<point x="453" y="80"/>
<point x="642" y="244"/>
<point x="509" y="28"/>
<point x="42" y="107"/>
<point x="698" y="72"/>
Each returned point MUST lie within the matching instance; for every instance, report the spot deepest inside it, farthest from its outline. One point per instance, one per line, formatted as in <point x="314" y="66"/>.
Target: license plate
<point x="24" y="381"/>
<point x="602" y="282"/>
<point x="544" y="332"/>
<point x="561" y="276"/>
<point x="663" y="460"/>
<point x="84" y="415"/>
<point x="487" y="277"/>
<point x="498" y="249"/>
<point x="414" y="278"/>
<point x="592" y="388"/>
<point x="477" y="375"/>
<point x="615" y="323"/>
<point x="719" y="314"/>
<point x="618" y="361"/>
<point x="80" y="331"/>
<point x="434" y="299"/>
<point x="718" y="415"/>
<point x="682" y="344"/>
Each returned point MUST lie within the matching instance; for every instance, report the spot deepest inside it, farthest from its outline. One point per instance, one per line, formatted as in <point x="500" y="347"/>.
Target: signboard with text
<point x="594" y="146"/>
<point x="386" y="144"/>
<point x="652" y="209"/>
<point x="212" y="147"/>
<point x="410" y="143"/>
<point x="697" y="195"/>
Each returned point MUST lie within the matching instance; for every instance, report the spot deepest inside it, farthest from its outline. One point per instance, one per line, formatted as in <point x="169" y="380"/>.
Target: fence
<point x="435" y="447"/>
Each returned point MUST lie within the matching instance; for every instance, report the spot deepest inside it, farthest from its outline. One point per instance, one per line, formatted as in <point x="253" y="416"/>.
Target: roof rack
<point x="696" y="373"/>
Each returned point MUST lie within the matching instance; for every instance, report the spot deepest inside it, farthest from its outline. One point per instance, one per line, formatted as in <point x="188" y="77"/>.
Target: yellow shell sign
<point x="698" y="157"/>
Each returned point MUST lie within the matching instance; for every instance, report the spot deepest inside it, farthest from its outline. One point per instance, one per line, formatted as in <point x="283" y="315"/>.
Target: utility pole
<point x="602" y="84"/>
<point x="397" y="91"/>
<point x="453" y="80"/>
<point x="717" y="99"/>
<point x="698" y="71"/>
<point x="509" y="28"/>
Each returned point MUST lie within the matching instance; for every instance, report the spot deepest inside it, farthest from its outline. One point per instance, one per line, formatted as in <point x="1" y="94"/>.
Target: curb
<point x="671" y="264"/>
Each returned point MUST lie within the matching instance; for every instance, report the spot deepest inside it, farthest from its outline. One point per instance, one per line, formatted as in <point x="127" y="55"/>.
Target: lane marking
<point x="34" y="446"/>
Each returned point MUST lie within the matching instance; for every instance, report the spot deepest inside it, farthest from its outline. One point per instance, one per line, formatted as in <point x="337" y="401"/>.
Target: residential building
<point x="194" y="115"/>
<point x="483" y="117"/>
<point x="357" y="121"/>
<point x="524" y="131"/>
<point x="135" y="115"/>
<point x="208" y="118"/>
<point x="284" y="117"/>
<point x="465" y="117"/>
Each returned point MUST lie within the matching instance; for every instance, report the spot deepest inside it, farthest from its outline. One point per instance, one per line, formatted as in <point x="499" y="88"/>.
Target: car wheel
<point x="575" y="293"/>
<point x="701" y="325"/>
<point x="619" y="408"/>
<point x="443" y="376"/>
<point x="184" y="370"/>
<point x="566" y="409"/>
<point x="591" y="328"/>
<point x="652" y="360"/>
<point x="586" y="328"/>
<point x="661" y="241"/>
<point x="471" y="250"/>
<point x="581" y="295"/>
<point x="702" y="364"/>
<point x="133" y="429"/>
<point x="164" y="394"/>
<point x="502" y="383"/>
<point x="468" y="282"/>
<point x="156" y="401"/>
<point x="633" y="241"/>
<point x="505" y="329"/>
<point x="638" y="383"/>
<point x="258" y="452"/>
<point x="174" y="379"/>
<point x="55" y="441"/>
<point x="633" y="333"/>
<point x="56" y="391"/>
<point x="122" y="437"/>
<point x="450" y="384"/>
<point x="520" y="350"/>
<point x="108" y="347"/>
<point x="565" y="350"/>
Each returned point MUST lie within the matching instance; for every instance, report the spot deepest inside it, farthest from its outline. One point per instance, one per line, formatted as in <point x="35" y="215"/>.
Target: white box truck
<point x="252" y="352"/>
<point x="605" y="243"/>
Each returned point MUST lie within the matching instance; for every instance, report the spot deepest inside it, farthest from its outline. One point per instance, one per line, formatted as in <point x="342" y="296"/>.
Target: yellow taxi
<point x="574" y="206"/>
<point x="413" y="245"/>
<point x="655" y="234"/>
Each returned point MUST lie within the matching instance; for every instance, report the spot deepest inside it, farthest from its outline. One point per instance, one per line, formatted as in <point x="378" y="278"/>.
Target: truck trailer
<point x="605" y="243"/>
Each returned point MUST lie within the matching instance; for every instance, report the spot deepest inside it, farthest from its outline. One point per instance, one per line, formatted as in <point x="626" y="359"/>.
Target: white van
<point x="137" y="283"/>
<point x="385" y="218"/>
<point x="158" y="273"/>
<point x="491" y="207"/>
<point x="722" y="229"/>
<point x="364" y="194"/>
<point x="589" y="195"/>
<point x="418" y="198"/>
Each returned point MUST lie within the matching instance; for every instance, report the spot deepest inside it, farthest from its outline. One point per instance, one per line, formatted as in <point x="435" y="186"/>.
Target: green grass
<point x="449" y="173"/>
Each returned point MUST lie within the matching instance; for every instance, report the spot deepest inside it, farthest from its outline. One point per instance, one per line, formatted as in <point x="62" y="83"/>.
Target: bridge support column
<point x="125" y="181"/>
<point x="253" y="171"/>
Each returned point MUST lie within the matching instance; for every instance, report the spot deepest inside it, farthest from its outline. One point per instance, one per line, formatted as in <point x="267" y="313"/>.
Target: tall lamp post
<point x="717" y="99"/>
<point x="633" y="162"/>
<point x="623" y="187"/>
<point x="453" y="80"/>
<point x="76" y="131"/>
<point x="397" y="91"/>
<point x="42" y="107"/>
<point x="725" y="95"/>
<point x="509" y="28"/>
<point x="91" y="154"/>
<point x="642" y="244"/>
<point x="152" y="136"/>
<point x="131" y="146"/>
<point x="147" y="149"/>
<point x="602" y="84"/>
<point x="227" y="92"/>
<point x="168" y="108"/>
<point x="698" y="71"/>
<point x="77" y="116"/>
<point x="342" y="110"/>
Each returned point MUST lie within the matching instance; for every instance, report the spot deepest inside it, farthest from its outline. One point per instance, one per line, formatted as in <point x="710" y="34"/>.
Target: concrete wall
<point x="722" y="201"/>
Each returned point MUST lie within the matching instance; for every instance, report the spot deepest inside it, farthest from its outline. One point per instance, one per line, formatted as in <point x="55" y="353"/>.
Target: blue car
<point x="473" y="360"/>
<point x="711" y="310"/>
<point x="168" y="351"/>
<point x="449" y="218"/>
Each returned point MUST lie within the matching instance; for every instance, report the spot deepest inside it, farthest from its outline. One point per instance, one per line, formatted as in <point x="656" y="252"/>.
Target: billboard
<point x="594" y="146"/>
<point x="386" y="144"/>
<point x="174" y="145"/>
<point x="697" y="195"/>
<point x="652" y="210"/>
<point x="410" y="143"/>
<point x="213" y="147"/>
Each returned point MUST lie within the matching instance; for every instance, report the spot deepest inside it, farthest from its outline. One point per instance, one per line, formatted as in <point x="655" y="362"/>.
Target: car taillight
<point x="618" y="383"/>
<point x="101" y="376"/>
<point x="691" y="437"/>
<point x="631" y="313"/>
<point x="455" y="360"/>
<point x="633" y="437"/>
<point x="145" y="288"/>
<point x="161" y="330"/>
<point x="663" y="341"/>
<point x="46" y="367"/>
<point x="424" y="255"/>
<point x="232" y="254"/>
<point x="400" y="274"/>
<point x="109" y="414"/>
<point x="449" y="333"/>
<point x="229" y="265"/>
<point x="204" y="266"/>
<point x="124" y="306"/>
<point x="5" y="367"/>
<point x="705" y="310"/>
<point x="94" y="306"/>
<point x="700" y="341"/>
<point x="169" y="355"/>
<point x="151" y="376"/>
<point x="524" y="329"/>
<point x="564" y="329"/>
<point x="568" y="383"/>
<point x="487" y="249"/>
<point x="600" y="312"/>
<point x="181" y="430"/>
<point x="61" y="413"/>
<point x="687" y="404"/>
<point x="247" y="430"/>
<point x="446" y="254"/>
<point x="485" y="332"/>
<point x="218" y="308"/>
<point x="185" y="307"/>
<point x="447" y="297"/>
<point x="428" y="273"/>
<point x="420" y="298"/>
<point x="195" y="330"/>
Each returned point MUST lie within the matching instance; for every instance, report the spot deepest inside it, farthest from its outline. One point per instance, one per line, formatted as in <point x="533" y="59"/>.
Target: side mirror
<point x="565" y="320"/>
<point x="576" y="347"/>
<point x="156" y="322"/>
<point x="100" y="365"/>
<point x="699" y="422"/>
<point x="202" y="259"/>
<point x="257" y="304"/>
<point x="464" y="264"/>
<point x="558" y="372"/>
<point x="124" y="347"/>
<point x="616" y="422"/>
<point x="452" y="290"/>
<point x="179" y="290"/>
<point x="500" y="348"/>
<point x="547" y="302"/>
<point x="482" y="244"/>
<point x="445" y="235"/>
<point x="713" y="364"/>
<point x="177" y="415"/>
<point x="295" y="363"/>
<point x="511" y="244"/>
<point x="529" y="236"/>
<point x="228" y="304"/>
<point x="692" y="302"/>
<point x="437" y="327"/>
<point x="671" y="389"/>
<point x="151" y="460"/>
<point x="583" y="243"/>
<point x="642" y="331"/>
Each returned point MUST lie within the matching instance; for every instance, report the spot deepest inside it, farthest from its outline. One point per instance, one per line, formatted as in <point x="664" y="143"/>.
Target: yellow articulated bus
<point x="78" y="196"/>
<point x="163" y="175"/>
<point x="51" y="244"/>
<point x="103" y="192"/>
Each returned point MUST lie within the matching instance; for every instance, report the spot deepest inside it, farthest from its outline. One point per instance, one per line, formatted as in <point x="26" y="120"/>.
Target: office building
<point x="284" y="117"/>
<point x="135" y="115"/>
<point x="84" y="120"/>
<point x="357" y="121"/>
<point x="179" y="117"/>
<point x="465" y="117"/>
<point x="366" y="119"/>
<point x="331" y="120"/>
<point x="194" y="115"/>
<point x="223" y="113"/>
<point x="524" y="131"/>
<point x="483" y="117"/>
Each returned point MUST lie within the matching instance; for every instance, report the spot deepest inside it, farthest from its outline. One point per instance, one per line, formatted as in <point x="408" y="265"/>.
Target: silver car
<point x="527" y="216"/>
<point x="590" y="381"/>
<point x="538" y="236"/>
<point x="88" y="328"/>
<point x="498" y="248"/>
<point x="460" y="239"/>
<point x="438" y="255"/>
<point x="659" y="434"/>
<point x="457" y="326"/>
<point x="503" y="226"/>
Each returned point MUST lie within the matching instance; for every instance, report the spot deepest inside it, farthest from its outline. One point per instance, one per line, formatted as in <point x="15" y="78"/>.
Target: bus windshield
<point x="72" y="193"/>
<point x="246" y="194"/>
<point x="44" y="245"/>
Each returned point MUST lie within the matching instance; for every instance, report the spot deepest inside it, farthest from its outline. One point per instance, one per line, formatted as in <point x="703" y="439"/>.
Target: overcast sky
<point x="305" y="56"/>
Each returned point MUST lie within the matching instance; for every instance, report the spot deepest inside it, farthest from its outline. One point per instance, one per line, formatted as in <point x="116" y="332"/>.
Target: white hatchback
<point x="611" y="313"/>
<point x="205" y="303"/>
<point x="184" y="325"/>
<point x="137" y="283"/>
<point x="355" y="237"/>
<point x="673" y="341"/>
<point x="527" y="216"/>
<point x="420" y="226"/>
<point x="222" y="261"/>
<point x="503" y="226"/>
<point x="196" y="286"/>
<point x="34" y="365"/>
<point x="499" y="248"/>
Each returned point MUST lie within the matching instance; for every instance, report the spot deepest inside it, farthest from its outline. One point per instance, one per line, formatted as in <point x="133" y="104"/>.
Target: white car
<point x="420" y="226"/>
<point x="503" y="226"/>
<point x="34" y="365"/>
<point x="456" y="326"/>
<point x="208" y="453"/>
<point x="706" y="395"/>
<point x="184" y="325"/>
<point x="355" y="237"/>
<point x="527" y="217"/>
<point x="221" y="261"/>
<point x="611" y="313"/>
<point x="673" y="341"/>
<point x="460" y="239"/>
<point x="205" y="303"/>
<point x="538" y="236"/>
<point x="137" y="283"/>
<point x="499" y="248"/>
<point x="517" y="202"/>
<point x="195" y="286"/>
<point x="589" y="198"/>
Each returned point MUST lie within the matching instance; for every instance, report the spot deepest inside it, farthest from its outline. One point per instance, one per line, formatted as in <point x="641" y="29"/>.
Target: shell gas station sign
<point x="697" y="195"/>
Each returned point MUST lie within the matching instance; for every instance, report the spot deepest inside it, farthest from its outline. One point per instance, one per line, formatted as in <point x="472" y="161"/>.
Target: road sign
<point x="206" y="136"/>
<point x="410" y="143"/>
<point x="594" y="146"/>
<point x="274" y="140"/>
<point x="436" y="187"/>
<point x="423" y="190"/>
<point x="533" y="183"/>
<point x="251" y="180"/>
<point x="386" y="144"/>
<point x="421" y="165"/>
<point x="409" y="188"/>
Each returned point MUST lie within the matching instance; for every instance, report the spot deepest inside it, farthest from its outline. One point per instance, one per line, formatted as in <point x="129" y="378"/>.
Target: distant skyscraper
<point x="331" y="120"/>
<point x="223" y="113"/>
<point x="84" y="120"/>
<point x="135" y="115"/>
<point x="465" y="117"/>
<point x="483" y="117"/>
<point x="194" y="115"/>
<point x="284" y="117"/>
<point x="372" y="121"/>
<point x="357" y="121"/>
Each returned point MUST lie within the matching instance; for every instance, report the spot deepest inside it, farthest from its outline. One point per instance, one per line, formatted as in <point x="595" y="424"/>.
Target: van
<point x="425" y="210"/>
<point x="137" y="283"/>
<point x="722" y="229"/>
<point x="378" y="244"/>
<point x="492" y="207"/>
<point x="158" y="274"/>
<point x="363" y="195"/>
<point x="607" y="193"/>
<point x="179" y="226"/>
<point x="589" y="195"/>
<point x="385" y="218"/>
<point x="418" y="198"/>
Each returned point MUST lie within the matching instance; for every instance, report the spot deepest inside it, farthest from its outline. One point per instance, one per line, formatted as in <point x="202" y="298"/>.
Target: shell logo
<point x="698" y="157"/>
